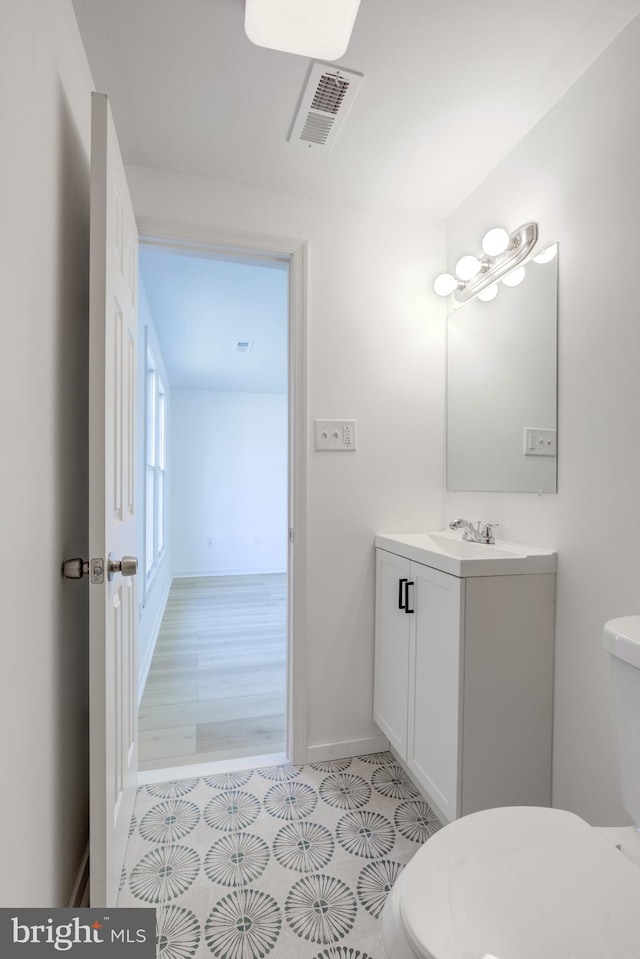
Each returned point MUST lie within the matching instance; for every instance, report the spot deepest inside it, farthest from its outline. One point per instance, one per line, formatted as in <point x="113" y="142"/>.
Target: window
<point x="155" y="465"/>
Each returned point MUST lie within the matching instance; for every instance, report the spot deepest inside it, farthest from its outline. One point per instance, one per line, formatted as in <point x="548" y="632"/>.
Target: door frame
<point x="256" y="247"/>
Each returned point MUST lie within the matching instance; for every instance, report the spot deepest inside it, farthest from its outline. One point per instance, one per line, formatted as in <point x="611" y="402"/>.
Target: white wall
<point x="576" y="173"/>
<point x="375" y="354"/>
<point x="151" y="598"/>
<point x="45" y="87"/>
<point x="228" y="482"/>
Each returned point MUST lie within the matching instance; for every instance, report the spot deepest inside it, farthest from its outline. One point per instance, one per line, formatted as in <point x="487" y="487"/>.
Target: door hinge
<point x="291" y="534"/>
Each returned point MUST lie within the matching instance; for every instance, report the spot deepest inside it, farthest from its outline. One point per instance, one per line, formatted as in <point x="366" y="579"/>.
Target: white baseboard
<point x="143" y="670"/>
<point x="79" y="893"/>
<point x="190" y="573"/>
<point x="346" y="749"/>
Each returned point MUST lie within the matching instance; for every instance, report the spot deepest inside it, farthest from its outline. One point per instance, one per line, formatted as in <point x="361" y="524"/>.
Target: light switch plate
<point x="336" y="435"/>
<point x="539" y="442"/>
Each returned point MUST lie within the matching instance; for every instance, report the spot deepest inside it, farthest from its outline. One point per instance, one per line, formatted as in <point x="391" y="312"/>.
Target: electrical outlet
<point x="539" y="442"/>
<point x="337" y="435"/>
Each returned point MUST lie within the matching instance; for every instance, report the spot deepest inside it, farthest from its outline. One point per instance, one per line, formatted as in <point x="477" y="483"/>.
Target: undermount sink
<point x="447" y="551"/>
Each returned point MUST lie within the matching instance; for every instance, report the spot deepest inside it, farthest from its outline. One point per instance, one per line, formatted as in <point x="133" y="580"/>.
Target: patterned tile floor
<point x="291" y="862"/>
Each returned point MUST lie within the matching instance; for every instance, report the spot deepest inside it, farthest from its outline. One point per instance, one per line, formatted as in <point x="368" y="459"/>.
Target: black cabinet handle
<point x="406" y="598"/>
<point x="401" y="604"/>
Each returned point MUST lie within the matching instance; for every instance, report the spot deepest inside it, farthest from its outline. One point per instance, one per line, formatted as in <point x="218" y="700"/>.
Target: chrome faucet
<point x="473" y="534"/>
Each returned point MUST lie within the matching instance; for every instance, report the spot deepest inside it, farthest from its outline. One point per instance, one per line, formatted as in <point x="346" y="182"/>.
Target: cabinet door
<point x="391" y="650"/>
<point x="435" y="706"/>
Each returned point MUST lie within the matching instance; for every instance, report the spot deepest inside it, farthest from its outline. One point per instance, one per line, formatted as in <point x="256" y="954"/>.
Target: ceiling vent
<point x="243" y="346"/>
<point x="324" y="104"/>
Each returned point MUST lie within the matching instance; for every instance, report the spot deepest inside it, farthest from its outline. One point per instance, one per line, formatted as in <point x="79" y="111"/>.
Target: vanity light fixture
<point x="320" y="29"/>
<point x="489" y="293"/>
<point x="514" y="278"/>
<point x="445" y="284"/>
<point x="503" y="254"/>
<point x="467" y="267"/>
<point x="496" y="241"/>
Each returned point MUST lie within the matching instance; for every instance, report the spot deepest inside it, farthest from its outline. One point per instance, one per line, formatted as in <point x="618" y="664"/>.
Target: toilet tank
<point x="622" y="640"/>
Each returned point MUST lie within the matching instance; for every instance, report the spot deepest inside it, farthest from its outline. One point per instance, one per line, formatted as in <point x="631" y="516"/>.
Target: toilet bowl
<point x="521" y="882"/>
<point x="529" y="882"/>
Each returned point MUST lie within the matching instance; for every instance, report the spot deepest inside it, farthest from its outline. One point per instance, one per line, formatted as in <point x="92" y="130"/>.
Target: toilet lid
<point x="521" y="883"/>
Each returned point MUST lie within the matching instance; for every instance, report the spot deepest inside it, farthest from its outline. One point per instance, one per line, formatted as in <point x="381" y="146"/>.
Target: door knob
<point x="75" y="568"/>
<point x="78" y="567"/>
<point x="128" y="566"/>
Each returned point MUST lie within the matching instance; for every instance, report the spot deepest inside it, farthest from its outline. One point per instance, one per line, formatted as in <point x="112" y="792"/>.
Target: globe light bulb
<point x="515" y="277"/>
<point x="467" y="267"/>
<point x="489" y="293"/>
<point x="445" y="284"/>
<point x="547" y="254"/>
<point x="496" y="241"/>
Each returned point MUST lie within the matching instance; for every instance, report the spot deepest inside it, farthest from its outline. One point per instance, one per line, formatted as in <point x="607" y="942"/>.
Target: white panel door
<point x="435" y="702"/>
<point x="392" y="648"/>
<point x="112" y="507"/>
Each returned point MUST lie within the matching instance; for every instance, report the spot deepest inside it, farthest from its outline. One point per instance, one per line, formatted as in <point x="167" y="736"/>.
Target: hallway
<point x="216" y="688"/>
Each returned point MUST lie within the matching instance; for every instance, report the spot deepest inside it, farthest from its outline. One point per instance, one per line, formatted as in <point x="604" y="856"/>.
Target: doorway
<point x="215" y="470"/>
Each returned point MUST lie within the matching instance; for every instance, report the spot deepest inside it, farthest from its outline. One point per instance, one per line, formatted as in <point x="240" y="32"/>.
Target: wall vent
<point x="243" y="346"/>
<point x="325" y="101"/>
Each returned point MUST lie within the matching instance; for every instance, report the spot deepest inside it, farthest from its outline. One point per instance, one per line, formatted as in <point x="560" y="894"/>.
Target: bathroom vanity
<point x="464" y="668"/>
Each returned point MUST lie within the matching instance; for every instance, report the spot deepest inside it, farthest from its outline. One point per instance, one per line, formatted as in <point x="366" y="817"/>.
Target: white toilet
<point x="527" y="882"/>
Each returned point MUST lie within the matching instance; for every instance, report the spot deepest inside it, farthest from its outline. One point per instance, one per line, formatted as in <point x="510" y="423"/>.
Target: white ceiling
<point x="450" y="87"/>
<point x="201" y="306"/>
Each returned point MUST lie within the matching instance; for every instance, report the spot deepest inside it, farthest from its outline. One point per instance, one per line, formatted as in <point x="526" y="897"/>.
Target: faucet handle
<point x="487" y="532"/>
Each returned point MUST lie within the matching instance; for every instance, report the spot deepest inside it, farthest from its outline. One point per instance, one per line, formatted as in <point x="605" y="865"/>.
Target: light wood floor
<point x="217" y="682"/>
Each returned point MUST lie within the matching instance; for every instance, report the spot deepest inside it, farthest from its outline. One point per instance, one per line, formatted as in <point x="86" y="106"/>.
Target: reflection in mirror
<point x="502" y="387"/>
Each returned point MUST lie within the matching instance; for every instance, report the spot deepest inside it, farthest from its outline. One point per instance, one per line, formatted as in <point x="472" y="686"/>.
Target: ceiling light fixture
<point x="503" y="255"/>
<point x="310" y="28"/>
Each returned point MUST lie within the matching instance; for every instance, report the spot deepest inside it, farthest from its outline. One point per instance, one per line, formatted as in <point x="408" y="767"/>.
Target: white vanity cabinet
<point x="464" y="678"/>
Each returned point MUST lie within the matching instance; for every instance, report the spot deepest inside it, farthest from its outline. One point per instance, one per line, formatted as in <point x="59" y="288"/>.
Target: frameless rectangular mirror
<point x="502" y="387"/>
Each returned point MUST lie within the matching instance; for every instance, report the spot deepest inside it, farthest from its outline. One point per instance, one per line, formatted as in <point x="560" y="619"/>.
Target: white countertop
<point x="447" y="551"/>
